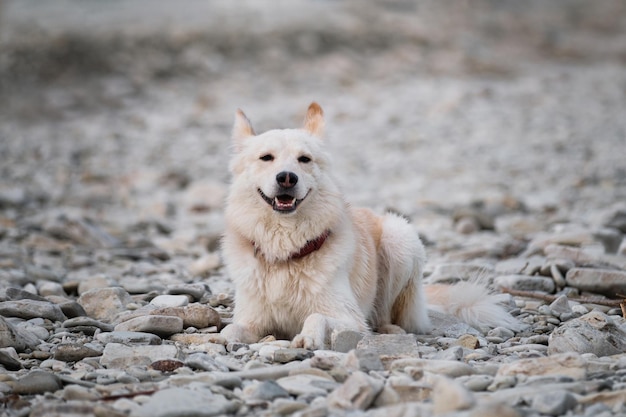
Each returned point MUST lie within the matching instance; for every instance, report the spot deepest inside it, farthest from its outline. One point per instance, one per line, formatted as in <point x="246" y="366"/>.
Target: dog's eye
<point x="268" y="157"/>
<point x="304" y="159"/>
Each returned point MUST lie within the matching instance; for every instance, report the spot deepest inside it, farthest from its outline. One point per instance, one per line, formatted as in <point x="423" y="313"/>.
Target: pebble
<point x="450" y="395"/>
<point x="37" y="382"/>
<point x="173" y="402"/>
<point x="28" y="309"/>
<point x="525" y="283"/>
<point x="117" y="355"/>
<point x="129" y="338"/>
<point x="162" y="326"/>
<point x="356" y="393"/>
<point x="600" y="281"/>
<point x="104" y="303"/>
<point x="595" y="332"/>
<point x="170" y="301"/>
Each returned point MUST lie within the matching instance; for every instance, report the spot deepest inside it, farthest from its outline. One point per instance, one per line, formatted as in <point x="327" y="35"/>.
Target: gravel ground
<point x="498" y="128"/>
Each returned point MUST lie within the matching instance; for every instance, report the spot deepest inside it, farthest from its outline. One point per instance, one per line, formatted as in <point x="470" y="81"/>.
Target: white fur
<point x="367" y="274"/>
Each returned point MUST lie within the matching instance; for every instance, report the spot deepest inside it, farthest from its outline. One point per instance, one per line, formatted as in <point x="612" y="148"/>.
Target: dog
<point x="305" y="263"/>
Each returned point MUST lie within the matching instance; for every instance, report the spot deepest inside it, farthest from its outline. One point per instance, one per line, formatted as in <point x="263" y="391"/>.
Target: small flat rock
<point x="447" y="368"/>
<point x="601" y="281"/>
<point x="20" y="340"/>
<point x="595" y="332"/>
<point x="74" y="352"/>
<point x="265" y="391"/>
<point x="306" y="384"/>
<point x="170" y="300"/>
<point x="30" y="309"/>
<point x="129" y="338"/>
<point x="205" y="362"/>
<point x="553" y="403"/>
<point x="389" y="347"/>
<point x="561" y="306"/>
<point x="448" y="325"/>
<point x="525" y="283"/>
<point x="105" y="303"/>
<point x="162" y="326"/>
<point x="176" y="402"/>
<point x="449" y="395"/>
<point x="9" y="359"/>
<point x="345" y="340"/>
<point x="87" y="321"/>
<point x="69" y="409"/>
<point x="356" y="393"/>
<point x="291" y="354"/>
<point x="37" y="382"/>
<point x="363" y="360"/>
<point x="116" y="355"/>
<point x="195" y="315"/>
<point x="567" y="364"/>
<point x="195" y="290"/>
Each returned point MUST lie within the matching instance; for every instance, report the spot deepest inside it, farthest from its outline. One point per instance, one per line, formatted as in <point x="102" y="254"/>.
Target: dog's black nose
<point x="286" y="179"/>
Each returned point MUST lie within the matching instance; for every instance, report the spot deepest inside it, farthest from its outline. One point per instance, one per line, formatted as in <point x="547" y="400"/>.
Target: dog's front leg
<point x="238" y="333"/>
<point x="317" y="329"/>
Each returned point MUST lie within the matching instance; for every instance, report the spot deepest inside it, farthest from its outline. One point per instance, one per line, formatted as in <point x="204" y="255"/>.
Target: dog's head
<point x="281" y="168"/>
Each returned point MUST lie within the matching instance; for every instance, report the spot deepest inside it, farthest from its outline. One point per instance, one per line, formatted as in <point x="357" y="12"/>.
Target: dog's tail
<point x="472" y="302"/>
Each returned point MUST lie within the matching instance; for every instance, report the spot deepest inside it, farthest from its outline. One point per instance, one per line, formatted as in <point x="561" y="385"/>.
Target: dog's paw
<point x="237" y="333"/>
<point x="305" y="342"/>
<point x="391" y="329"/>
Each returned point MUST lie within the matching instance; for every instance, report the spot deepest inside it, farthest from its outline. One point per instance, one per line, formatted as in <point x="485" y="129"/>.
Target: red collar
<point x="310" y="246"/>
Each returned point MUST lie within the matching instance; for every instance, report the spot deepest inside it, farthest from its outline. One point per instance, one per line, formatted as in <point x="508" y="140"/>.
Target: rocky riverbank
<point x="498" y="131"/>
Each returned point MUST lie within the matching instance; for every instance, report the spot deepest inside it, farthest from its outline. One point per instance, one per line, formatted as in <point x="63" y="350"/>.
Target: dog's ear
<point x="314" y="120"/>
<point x="242" y="128"/>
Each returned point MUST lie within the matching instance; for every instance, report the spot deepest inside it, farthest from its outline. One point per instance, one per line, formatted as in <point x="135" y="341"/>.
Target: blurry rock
<point x="79" y="230"/>
<point x="28" y="309"/>
<point x="525" y="283"/>
<point x="610" y="239"/>
<point x="129" y="338"/>
<point x="560" y="306"/>
<point x="567" y="364"/>
<point x="265" y="391"/>
<point x="345" y="340"/>
<point x="553" y="403"/>
<point x="37" y="382"/>
<point x="205" y="362"/>
<point x="170" y="402"/>
<point x="602" y="281"/>
<point x="467" y="225"/>
<point x="205" y="264"/>
<point x="449" y="326"/>
<point x="9" y="359"/>
<point x="204" y="196"/>
<point x="363" y="360"/>
<point x="356" y="393"/>
<point x="116" y="355"/>
<point x="195" y="290"/>
<point x="170" y="301"/>
<point x="105" y="303"/>
<point x="195" y="315"/>
<point x="162" y="326"/>
<point x="97" y="281"/>
<point x="617" y="219"/>
<point x="74" y="352"/>
<point x="595" y="332"/>
<point x="12" y="337"/>
<point x="449" y="395"/>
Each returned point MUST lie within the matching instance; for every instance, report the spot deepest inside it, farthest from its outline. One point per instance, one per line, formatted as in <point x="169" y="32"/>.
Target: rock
<point x="195" y="315"/>
<point x="195" y="290"/>
<point x="567" y="364"/>
<point x="176" y="402"/>
<point x="10" y="336"/>
<point x="87" y="321"/>
<point x="105" y="303"/>
<point x="595" y="332"/>
<point x="476" y="383"/>
<point x="9" y="359"/>
<point x="469" y="341"/>
<point x="304" y="384"/>
<point x="166" y="365"/>
<point x="265" y="391"/>
<point x="205" y="264"/>
<point x="449" y="395"/>
<point x="553" y="403"/>
<point x="74" y="352"/>
<point x="356" y="393"/>
<point x="170" y="301"/>
<point x="452" y="369"/>
<point x="37" y="382"/>
<point x="29" y="309"/>
<point x="129" y="338"/>
<point x="525" y="283"/>
<point x="560" y="306"/>
<point x="363" y="360"/>
<point x="610" y="239"/>
<point x="617" y="219"/>
<point x="389" y="347"/>
<point x="291" y="354"/>
<point x="205" y="362"/>
<point x="345" y="340"/>
<point x="162" y="326"/>
<point x="449" y="326"/>
<point x="602" y="281"/>
<point x="116" y="355"/>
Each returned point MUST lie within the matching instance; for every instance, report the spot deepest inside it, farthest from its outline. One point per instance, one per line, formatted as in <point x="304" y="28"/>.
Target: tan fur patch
<point x="314" y="120"/>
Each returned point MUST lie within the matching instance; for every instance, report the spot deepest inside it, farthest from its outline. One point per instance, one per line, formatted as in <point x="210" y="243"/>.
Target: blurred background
<point x="120" y="111"/>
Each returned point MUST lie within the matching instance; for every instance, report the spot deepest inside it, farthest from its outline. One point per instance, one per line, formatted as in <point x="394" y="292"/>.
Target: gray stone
<point x="87" y="321"/>
<point x="525" y="283"/>
<point x="356" y="393"/>
<point x="292" y="354"/>
<point x="448" y="395"/>
<point x="448" y="325"/>
<point x="74" y="352"/>
<point x="265" y="391"/>
<point x="9" y="359"/>
<point x="196" y="290"/>
<point x="617" y="219"/>
<point x="105" y="303"/>
<point x="568" y="364"/>
<point x="602" y="281"/>
<point x="595" y="332"/>
<point x="561" y="306"/>
<point x="390" y="346"/>
<point x="116" y="355"/>
<point x="363" y="360"/>
<point x="345" y="340"/>
<point x="37" y="382"/>
<point x="167" y="300"/>
<point x="162" y="326"/>
<point x="553" y="403"/>
<point x="177" y="402"/>
<point x="129" y="338"/>
<point x="10" y="336"/>
<point x="452" y="369"/>
<point x="306" y="384"/>
<point x="195" y="315"/>
<point x="205" y="362"/>
<point x="28" y="309"/>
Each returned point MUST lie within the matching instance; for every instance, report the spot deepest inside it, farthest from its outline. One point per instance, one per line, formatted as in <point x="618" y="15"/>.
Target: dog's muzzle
<point x="284" y="202"/>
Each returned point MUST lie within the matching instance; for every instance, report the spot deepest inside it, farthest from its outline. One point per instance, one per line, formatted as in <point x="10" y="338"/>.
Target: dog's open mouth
<point x="284" y="203"/>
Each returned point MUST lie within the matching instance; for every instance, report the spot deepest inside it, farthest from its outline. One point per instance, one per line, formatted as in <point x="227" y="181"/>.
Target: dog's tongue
<point x="284" y="202"/>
